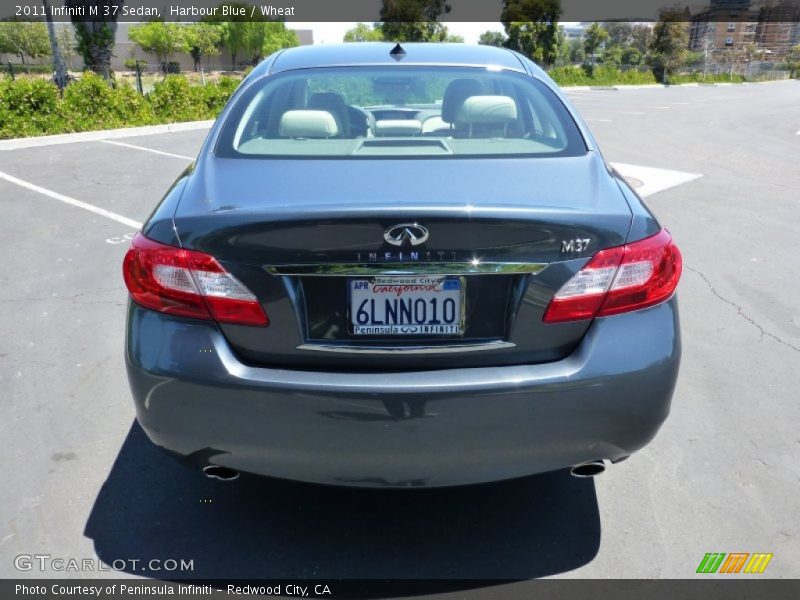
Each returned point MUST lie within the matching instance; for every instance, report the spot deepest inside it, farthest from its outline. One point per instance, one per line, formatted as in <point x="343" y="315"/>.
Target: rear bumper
<point x="429" y="428"/>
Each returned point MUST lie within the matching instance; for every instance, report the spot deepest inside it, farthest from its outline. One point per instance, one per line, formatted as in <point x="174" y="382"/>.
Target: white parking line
<point x="154" y="151"/>
<point x="654" y="180"/>
<point x="798" y="132"/>
<point x="72" y="201"/>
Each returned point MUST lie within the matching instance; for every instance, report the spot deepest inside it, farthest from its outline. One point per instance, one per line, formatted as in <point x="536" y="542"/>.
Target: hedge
<point x="606" y="75"/>
<point x="30" y="107"/>
<point x="602" y="75"/>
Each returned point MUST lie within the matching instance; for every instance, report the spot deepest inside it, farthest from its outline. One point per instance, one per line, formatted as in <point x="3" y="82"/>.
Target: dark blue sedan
<point x="401" y="266"/>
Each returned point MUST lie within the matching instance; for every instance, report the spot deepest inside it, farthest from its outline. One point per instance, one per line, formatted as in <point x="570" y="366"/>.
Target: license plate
<point x="406" y="305"/>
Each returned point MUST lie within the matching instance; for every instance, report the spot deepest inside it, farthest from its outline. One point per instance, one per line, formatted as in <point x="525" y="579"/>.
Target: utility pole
<point x="60" y="76"/>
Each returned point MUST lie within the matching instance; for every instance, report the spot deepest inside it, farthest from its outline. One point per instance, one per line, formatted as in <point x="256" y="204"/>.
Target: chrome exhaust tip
<point x="221" y="473"/>
<point x="588" y="469"/>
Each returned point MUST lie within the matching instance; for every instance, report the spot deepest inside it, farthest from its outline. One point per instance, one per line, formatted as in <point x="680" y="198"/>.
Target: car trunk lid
<point x="297" y="232"/>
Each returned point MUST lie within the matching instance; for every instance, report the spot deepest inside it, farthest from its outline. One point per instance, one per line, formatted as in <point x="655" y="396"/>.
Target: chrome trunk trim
<point x="422" y="268"/>
<point x="342" y="349"/>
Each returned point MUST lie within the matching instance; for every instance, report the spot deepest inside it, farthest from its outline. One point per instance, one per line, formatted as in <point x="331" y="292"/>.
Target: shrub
<point x="216" y="95"/>
<point x="600" y="75"/>
<point x="697" y="77"/>
<point x="174" y="99"/>
<point x="569" y="76"/>
<point x="131" y="108"/>
<point x="90" y="103"/>
<point x="228" y="84"/>
<point x="28" y="107"/>
<point x="31" y="106"/>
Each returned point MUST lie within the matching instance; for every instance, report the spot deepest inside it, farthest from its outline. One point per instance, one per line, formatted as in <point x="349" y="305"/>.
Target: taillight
<point x="619" y="279"/>
<point x="187" y="283"/>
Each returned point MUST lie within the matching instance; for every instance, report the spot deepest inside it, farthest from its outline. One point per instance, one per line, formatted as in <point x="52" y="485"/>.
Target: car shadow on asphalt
<point x="152" y="507"/>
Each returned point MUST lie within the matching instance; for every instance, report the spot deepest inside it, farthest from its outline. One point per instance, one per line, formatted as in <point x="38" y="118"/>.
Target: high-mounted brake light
<point x="187" y="283"/>
<point x="619" y="279"/>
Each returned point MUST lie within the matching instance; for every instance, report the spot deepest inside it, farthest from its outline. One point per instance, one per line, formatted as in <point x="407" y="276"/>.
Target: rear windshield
<point x="363" y="112"/>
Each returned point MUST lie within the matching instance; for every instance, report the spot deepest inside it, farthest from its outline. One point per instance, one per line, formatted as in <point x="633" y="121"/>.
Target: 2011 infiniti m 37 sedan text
<point x="401" y="266"/>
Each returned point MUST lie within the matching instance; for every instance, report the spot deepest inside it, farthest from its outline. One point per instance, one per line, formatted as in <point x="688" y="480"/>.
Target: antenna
<point x="398" y="52"/>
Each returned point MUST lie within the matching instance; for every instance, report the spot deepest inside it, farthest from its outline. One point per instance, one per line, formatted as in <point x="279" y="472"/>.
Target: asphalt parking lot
<point x="80" y="479"/>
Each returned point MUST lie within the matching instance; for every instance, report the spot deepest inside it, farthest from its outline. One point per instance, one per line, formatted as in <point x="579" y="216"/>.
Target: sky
<point x="332" y="33"/>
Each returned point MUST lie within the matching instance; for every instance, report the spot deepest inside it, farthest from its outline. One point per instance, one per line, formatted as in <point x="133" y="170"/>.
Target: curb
<point x="105" y="134"/>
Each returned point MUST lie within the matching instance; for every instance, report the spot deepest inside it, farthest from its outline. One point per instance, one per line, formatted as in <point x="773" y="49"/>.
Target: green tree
<point x="576" y="51"/>
<point x="234" y="35"/>
<point x="612" y="55"/>
<point x="233" y="30"/>
<point x="593" y="39"/>
<point x="793" y="61"/>
<point x="413" y="20"/>
<point x="749" y="53"/>
<point x="161" y="39"/>
<point x="255" y="36"/>
<point x="727" y="60"/>
<point x="278" y="36"/>
<point x="363" y="32"/>
<point x="24" y="39"/>
<point x="619" y="33"/>
<point x="493" y="38"/>
<point x="203" y="41"/>
<point x="668" y="47"/>
<point x="95" y="32"/>
<point x="532" y="28"/>
<point x="264" y="37"/>
<point x="562" y="53"/>
<point x="631" y="56"/>
<point x="692" y="59"/>
<point x="641" y="35"/>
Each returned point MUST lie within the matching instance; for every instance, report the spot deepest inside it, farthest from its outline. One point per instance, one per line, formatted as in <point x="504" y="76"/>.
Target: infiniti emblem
<point x="410" y="233"/>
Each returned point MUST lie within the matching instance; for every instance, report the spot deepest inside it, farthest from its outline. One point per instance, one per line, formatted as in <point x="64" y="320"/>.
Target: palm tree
<point x="60" y="75"/>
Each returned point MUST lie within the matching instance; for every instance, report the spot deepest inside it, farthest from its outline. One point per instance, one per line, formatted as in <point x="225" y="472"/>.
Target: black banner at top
<point x="786" y="11"/>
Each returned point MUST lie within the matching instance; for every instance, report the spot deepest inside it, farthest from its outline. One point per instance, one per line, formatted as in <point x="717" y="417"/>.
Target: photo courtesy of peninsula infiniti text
<point x="401" y="266"/>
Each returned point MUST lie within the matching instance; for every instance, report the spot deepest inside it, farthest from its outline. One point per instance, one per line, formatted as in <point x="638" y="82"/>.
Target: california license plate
<point x="407" y="305"/>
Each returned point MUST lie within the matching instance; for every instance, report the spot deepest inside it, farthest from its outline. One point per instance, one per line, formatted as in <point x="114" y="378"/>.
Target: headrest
<point x="307" y="124"/>
<point x="457" y="91"/>
<point x="496" y="110"/>
<point x="398" y="127"/>
<point x="326" y="100"/>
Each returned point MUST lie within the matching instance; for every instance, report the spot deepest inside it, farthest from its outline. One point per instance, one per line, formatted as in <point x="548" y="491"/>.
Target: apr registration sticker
<point x="407" y="305"/>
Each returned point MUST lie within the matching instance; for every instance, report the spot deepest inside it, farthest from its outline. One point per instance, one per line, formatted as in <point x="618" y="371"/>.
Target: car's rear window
<point x="367" y="112"/>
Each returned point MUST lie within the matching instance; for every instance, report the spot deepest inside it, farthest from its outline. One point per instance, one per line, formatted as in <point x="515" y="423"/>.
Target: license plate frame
<point x="454" y="329"/>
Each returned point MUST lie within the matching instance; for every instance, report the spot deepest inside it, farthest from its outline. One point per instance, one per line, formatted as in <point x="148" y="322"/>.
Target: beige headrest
<point x="307" y="124"/>
<point x="487" y="109"/>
